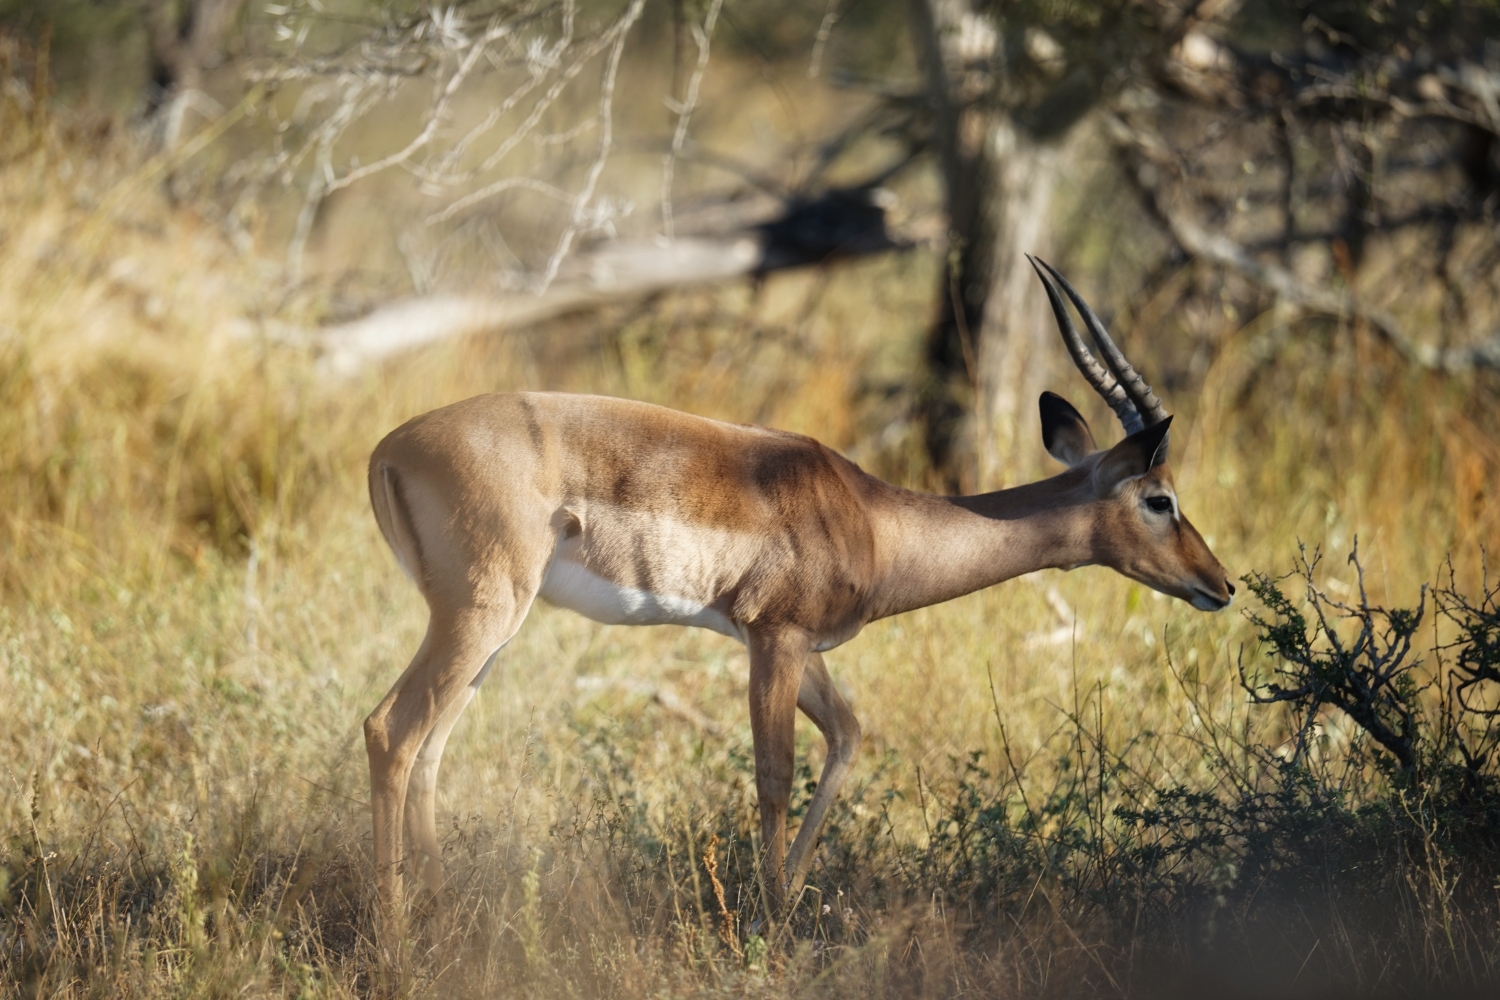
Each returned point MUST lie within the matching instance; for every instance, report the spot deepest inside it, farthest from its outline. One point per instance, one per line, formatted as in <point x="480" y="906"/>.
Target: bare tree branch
<point x="531" y="52"/>
<point x="702" y="36"/>
<point x="1147" y="149"/>
<point x="583" y="219"/>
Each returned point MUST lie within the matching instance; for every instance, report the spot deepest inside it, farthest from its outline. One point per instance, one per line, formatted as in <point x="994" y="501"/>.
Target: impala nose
<point x="1229" y="587"/>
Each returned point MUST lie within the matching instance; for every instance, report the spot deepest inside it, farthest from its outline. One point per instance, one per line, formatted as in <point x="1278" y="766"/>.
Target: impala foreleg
<point x="820" y="700"/>
<point x="430" y="694"/>
<point x="776" y="664"/>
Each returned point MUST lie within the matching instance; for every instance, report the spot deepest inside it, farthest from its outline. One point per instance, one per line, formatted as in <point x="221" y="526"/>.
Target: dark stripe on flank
<point x="642" y="565"/>
<point x="823" y="521"/>
<point x="532" y="427"/>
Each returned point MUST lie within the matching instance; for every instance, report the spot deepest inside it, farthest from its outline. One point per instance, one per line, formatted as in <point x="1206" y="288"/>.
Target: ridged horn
<point x="1146" y="402"/>
<point x="1102" y="381"/>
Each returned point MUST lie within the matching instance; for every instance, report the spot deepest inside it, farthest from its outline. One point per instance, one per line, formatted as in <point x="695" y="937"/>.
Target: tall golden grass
<point x="198" y="611"/>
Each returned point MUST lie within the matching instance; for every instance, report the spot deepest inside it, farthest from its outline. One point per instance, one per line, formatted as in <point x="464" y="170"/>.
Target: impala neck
<point x="945" y="547"/>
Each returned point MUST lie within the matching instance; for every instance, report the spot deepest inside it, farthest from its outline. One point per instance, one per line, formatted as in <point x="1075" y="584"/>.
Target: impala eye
<point x="1162" y="505"/>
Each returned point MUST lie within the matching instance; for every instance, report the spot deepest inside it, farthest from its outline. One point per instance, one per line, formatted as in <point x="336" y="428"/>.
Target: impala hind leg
<point x="776" y="665"/>
<point x="432" y="691"/>
<point x="820" y="700"/>
<point x="421" y="788"/>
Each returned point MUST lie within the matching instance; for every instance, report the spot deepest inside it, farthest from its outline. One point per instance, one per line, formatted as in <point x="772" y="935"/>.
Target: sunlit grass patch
<point x="1063" y="788"/>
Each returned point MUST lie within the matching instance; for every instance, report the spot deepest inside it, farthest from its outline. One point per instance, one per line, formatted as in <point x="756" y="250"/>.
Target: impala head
<point x="1139" y="530"/>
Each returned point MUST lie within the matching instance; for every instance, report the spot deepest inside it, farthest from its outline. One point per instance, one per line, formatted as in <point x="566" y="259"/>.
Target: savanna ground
<point x="1065" y="787"/>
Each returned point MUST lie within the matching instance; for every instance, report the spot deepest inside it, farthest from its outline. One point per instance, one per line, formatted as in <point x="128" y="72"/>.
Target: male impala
<point x="634" y="514"/>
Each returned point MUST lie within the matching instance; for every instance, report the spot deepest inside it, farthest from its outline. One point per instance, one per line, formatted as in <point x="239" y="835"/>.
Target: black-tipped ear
<point x="1162" y="433"/>
<point x="1065" y="433"/>
<point x="1135" y="456"/>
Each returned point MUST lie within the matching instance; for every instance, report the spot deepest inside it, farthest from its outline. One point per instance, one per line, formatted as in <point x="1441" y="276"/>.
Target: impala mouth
<point x="1206" y="601"/>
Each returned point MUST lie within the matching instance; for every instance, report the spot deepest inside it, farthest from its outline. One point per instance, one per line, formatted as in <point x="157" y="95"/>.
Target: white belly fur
<point x="569" y="585"/>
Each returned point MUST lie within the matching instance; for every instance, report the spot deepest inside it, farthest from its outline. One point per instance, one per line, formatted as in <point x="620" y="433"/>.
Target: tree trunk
<point x="989" y="352"/>
<point x="1017" y="344"/>
<point x="185" y="40"/>
<point x="945" y="395"/>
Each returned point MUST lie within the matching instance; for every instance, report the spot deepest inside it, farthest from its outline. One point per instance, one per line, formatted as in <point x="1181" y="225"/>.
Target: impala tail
<point x="1139" y="528"/>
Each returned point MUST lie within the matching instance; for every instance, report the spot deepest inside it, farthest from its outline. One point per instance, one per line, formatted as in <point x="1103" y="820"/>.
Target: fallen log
<point x="838" y="224"/>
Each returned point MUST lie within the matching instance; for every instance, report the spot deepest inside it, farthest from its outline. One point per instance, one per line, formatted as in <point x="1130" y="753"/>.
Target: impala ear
<point x="1133" y="457"/>
<point x="1064" y="431"/>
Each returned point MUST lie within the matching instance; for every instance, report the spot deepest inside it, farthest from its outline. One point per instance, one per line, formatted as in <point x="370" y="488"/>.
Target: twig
<point x="702" y="36"/>
<point x="663" y="694"/>
<point x="489" y="191"/>
<point x="435" y="117"/>
<point x="820" y="43"/>
<point x="606" y="142"/>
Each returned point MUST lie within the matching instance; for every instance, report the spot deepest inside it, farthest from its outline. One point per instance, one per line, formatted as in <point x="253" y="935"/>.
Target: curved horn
<point x="1150" y="406"/>
<point x="1104" y="383"/>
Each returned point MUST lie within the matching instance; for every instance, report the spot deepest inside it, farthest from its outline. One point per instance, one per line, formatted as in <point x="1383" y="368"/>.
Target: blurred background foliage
<point x="211" y="308"/>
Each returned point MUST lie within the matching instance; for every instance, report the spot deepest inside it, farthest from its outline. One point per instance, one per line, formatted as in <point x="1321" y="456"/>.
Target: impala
<point x="633" y="514"/>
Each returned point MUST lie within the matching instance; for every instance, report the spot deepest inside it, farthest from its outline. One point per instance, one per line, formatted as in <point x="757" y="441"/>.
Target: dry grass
<point x="197" y="612"/>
